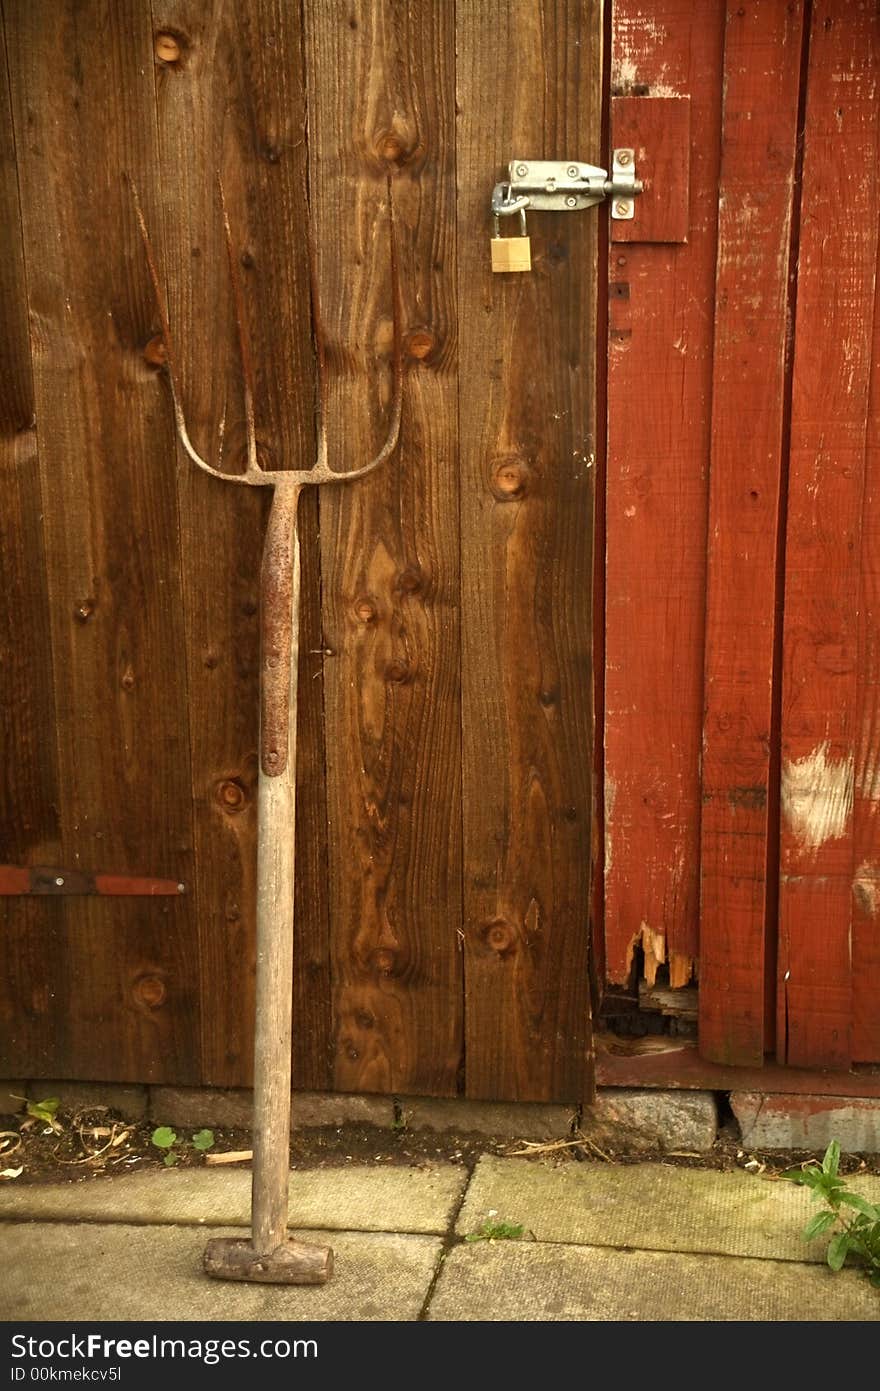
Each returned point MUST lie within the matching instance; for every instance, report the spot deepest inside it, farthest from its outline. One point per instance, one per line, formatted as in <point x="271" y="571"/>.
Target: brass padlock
<point x="511" y="253"/>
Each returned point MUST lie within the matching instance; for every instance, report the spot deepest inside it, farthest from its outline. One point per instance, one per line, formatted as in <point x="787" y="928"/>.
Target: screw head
<point x="181" y="888"/>
<point x="621" y="208"/>
<point x="59" y="881"/>
<point x="624" y="157"/>
<point x="572" y="171"/>
<point x="571" y="201"/>
<point x="522" y="170"/>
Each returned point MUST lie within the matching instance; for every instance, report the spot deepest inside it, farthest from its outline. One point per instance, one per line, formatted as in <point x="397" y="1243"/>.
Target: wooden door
<point x="445" y="834"/>
<point x="740" y="697"/>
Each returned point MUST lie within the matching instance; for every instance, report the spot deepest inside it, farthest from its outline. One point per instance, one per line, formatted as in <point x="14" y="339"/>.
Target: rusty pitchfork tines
<point x="270" y="1256"/>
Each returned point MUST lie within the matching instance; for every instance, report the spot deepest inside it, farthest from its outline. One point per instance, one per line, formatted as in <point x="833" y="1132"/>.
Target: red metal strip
<point x="133" y="885"/>
<point x="40" y="879"/>
<point x="14" y="880"/>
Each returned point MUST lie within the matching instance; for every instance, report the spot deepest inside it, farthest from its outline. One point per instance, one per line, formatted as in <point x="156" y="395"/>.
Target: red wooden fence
<point x="741" y="720"/>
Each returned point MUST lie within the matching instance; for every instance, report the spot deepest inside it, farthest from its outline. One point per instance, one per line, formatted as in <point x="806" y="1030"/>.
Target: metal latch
<point x="559" y="186"/>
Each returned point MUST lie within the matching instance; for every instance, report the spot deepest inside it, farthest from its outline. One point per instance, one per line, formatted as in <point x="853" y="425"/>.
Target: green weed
<point x="166" y="1139"/>
<point x="491" y="1230"/>
<point x="857" y="1222"/>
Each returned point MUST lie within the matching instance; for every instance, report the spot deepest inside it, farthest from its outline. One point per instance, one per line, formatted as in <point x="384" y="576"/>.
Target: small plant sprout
<point x="167" y="1140"/>
<point x="164" y="1138"/>
<point x="45" y="1111"/>
<point x="857" y="1222"/>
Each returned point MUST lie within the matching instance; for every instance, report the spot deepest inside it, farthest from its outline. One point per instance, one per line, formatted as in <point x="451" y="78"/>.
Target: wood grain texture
<point x="527" y="439"/>
<point x="83" y="113"/>
<point x="762" y="68"/>
<point x="659" y="131"/>
<point x="234" y="103"/>
<point x="32" y="961"/>
<point x="381" y="145"/>
<point x="820" y="697"/>
<point x="866" y="803"/>
<point x="659" y="390"/>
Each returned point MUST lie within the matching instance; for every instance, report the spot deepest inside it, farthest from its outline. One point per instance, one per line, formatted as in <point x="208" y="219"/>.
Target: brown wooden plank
<point x="381" y="133"/>
<point x="659" y="383"/>
<point x="762" y="66"/>
<point x="32" y="964"/>
<point x="833" y="333"/>
<point x="234" y="101"/>
<point x="527" y="402"/>
<point x="84" y="112"/>
<point x="866" y="808"/>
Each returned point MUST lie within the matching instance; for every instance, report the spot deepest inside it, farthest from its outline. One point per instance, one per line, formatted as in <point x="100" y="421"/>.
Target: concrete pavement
<point x="644" y="1242"/>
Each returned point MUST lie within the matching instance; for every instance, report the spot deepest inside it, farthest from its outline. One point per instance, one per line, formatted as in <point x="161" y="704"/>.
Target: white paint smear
<point x="817" y="796"/>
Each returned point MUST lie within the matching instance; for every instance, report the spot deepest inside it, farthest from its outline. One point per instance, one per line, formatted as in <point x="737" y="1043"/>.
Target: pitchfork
<point x="271" y="1256"/>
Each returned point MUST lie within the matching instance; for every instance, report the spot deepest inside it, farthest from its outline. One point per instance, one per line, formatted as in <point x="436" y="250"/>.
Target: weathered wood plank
<point x="762" y="66"/>
<point x="675" y="1062"/>
<point x="233" y="101"/>
<point x="527" y="441"/>
<point x="83" y="113"/>
<point x="32" y="965"/>
<point x="659" y="388"/>
<point x="833" y="333"/>
<point x="381" y="132"/>
<point x="866" y="807"/>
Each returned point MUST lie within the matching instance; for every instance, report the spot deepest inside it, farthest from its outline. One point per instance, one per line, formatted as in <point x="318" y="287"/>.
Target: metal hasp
<point x="567" y="185"/>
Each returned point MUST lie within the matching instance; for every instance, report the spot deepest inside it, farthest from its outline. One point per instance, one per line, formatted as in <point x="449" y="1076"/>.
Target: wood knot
<point x="155" y="353"/>
<point x="364" y="1020"/>
<point x="385" y="961"/>
<point x="232" y="795"/>
<point x="509" y="478"/>
<point x="211" y="659"/>
<point x="365" y="611"/>
<point x="126" y="680"/>
<point x="409" y="581"/>
<point x="398" y="671"/>
<point x="394" y="147"/>
<point x="420" y="344"/>
<point x="500" y="937"/>
<point x="149" y="991"/>
<point x="168" y="47"/>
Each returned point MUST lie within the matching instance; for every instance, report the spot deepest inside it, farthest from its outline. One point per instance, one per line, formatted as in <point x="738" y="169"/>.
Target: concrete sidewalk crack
<point x="449" y="1242"/>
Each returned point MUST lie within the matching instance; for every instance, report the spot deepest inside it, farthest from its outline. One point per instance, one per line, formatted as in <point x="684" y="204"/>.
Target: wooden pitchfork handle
<point x="270" y="1256"/>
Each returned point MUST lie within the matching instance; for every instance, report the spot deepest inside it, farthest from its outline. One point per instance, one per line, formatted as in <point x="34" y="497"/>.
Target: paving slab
<point x="101" y="1272"/>
<point x="654" y="1207"/>
<point x="357" y="1198"/>
<point x="525" y="1281"/>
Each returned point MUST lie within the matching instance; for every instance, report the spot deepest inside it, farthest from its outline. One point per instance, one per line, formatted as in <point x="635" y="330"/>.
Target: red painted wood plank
<point x="866" y="808"/>
<point x="837" y="268"/>
<point x="668" y="1062"/>
<point x="659" y="379"/>
<point x="762" y="65"/>
<point x="659" y="131"/>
